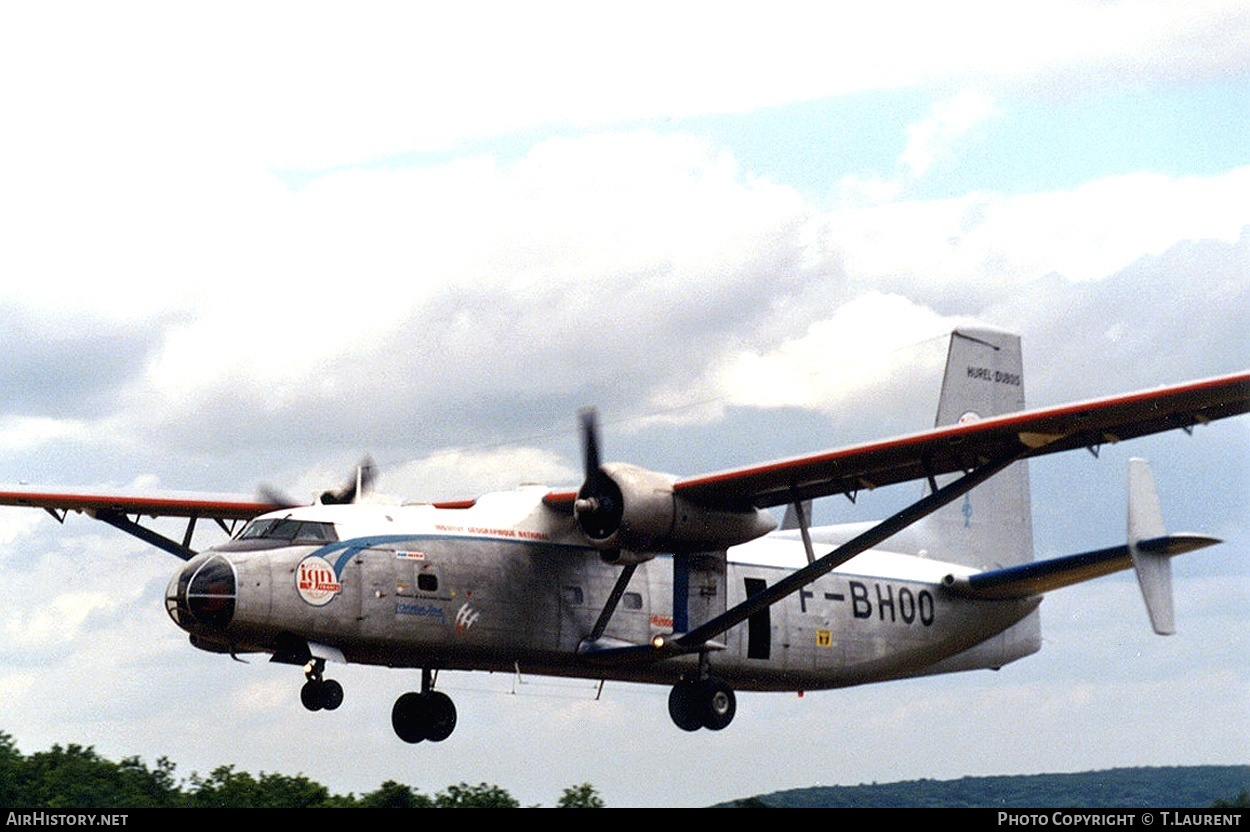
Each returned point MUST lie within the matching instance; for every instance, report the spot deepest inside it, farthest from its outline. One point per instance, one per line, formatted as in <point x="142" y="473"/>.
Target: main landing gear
<point x="702" y="702"/>
<point x="428" y="715"/>
<point x="318" y="693"/>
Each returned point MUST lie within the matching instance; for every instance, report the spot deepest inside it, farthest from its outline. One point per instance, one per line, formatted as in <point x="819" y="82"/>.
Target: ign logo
<point x="316" y="582"/>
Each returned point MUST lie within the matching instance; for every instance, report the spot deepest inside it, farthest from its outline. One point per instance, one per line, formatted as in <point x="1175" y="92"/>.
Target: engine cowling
<point x="631" y="513"/>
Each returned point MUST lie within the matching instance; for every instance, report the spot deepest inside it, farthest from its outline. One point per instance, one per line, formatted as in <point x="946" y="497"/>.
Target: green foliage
<point x="13" y="791"/>
<point x="227" y="789"/>
<point x="392" y="795"/>
<point x="481" y="796"/>
<point x="580" y="797"/>
<point x="78" y="778"/>
<point x="75" y="777"/>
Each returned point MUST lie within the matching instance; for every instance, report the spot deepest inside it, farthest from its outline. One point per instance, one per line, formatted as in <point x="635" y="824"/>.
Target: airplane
<point x="684" y="581"/>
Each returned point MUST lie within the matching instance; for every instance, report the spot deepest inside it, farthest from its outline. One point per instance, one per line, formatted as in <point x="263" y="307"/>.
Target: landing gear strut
<point x="706" y="702"/>
<point x="428" y="715"/>
<point x="319" y="693"/>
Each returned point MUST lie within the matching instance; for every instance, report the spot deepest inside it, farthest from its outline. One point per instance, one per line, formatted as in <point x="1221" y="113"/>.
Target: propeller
<point x="359" y="485"/>
<point x="631" y="514"/>
<point x="599" y="505"/>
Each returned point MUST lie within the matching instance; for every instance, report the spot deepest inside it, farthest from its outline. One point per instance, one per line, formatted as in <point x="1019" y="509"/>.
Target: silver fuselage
<point x="508" y="585"/>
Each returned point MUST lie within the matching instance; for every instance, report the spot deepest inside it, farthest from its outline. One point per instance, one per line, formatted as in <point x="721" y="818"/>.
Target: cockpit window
<point x="288" y="530"/>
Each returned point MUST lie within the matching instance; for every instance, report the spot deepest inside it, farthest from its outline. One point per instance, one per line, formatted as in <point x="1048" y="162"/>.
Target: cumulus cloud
<point x="20" y="433"/>
<point x="948" y="121"/>
<point x="399" y="311"/>
<point x="857" y="348"/>
<point x="991" y="241"/>
<point x="293" y="86"/>
<point x="584" y="266"/>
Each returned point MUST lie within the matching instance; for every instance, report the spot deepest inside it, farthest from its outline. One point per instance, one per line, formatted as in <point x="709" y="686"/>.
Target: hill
<point x="1134" y="788"/>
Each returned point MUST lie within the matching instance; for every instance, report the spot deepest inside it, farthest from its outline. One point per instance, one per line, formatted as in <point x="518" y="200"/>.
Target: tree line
<point x="77" y="777"/>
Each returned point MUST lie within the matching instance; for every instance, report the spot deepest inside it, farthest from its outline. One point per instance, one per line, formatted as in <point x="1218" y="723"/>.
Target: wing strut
<point x="802" y="514"/>
<point x="948" y="493"/>
<point x="119" y="520"/>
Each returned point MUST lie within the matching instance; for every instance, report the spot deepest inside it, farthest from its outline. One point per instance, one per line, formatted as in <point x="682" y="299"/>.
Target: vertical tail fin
<point x="992" y="526"/>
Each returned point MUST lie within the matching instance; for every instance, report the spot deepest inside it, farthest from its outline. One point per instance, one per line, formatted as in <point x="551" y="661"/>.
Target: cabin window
<point x="573" y="596"/>
<point x="631" y="601"/>
<point x="408" y="585"/>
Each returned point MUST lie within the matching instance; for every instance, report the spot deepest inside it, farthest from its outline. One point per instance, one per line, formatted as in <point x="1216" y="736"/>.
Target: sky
<point x="249" y="244"/>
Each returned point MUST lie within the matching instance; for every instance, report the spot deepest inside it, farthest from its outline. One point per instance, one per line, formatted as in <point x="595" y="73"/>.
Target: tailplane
<point x="1149" y="552"/>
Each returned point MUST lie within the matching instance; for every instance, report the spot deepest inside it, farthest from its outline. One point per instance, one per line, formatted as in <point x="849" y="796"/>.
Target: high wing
<point x="123" y="510"/>
<point x="964" y="447"/>
<point x="89" y="501"/>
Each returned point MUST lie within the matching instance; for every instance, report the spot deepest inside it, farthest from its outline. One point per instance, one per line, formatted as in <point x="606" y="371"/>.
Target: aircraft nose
<point x="202" y="595"/>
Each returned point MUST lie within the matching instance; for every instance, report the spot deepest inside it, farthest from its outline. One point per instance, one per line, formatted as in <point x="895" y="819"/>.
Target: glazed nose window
<point x="204" y="594"/>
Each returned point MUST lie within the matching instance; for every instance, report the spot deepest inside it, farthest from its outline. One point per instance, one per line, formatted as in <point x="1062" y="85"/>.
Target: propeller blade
<point x="590" y="441"/>
<point x="598" y="507"/>
<point x="366" y="476"/>
<point x="279" y="499"/>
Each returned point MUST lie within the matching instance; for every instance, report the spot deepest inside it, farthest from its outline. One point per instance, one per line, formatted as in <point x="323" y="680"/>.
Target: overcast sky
<point x="250" y="243"/>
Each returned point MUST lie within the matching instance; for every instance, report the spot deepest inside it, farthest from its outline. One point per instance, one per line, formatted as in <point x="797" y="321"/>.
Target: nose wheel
<point x="428" y="715"/>
<point x="319" y="693"/>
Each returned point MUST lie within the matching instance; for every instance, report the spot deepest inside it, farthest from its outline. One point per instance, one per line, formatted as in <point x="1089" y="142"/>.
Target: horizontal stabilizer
<point x="1047" y="575"/>
<point x="1149" y="551"/>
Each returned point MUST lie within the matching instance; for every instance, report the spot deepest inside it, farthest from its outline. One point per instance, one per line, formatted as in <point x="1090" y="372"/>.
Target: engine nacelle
<point x="631" y="514"/>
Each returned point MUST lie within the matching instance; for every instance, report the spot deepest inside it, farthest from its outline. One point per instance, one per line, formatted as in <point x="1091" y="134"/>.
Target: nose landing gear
<point x="318" y="693"/>
<point x="428" y="715"/>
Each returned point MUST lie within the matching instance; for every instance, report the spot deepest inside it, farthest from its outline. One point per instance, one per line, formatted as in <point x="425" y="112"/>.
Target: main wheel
<point x="440" y="716"/>
<point x="683" y="706"/>
<point x="717" y="702"/>
<point x="312" y="695"/>
<point x="408" y="717"/>
<point x="331" y="694"/>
